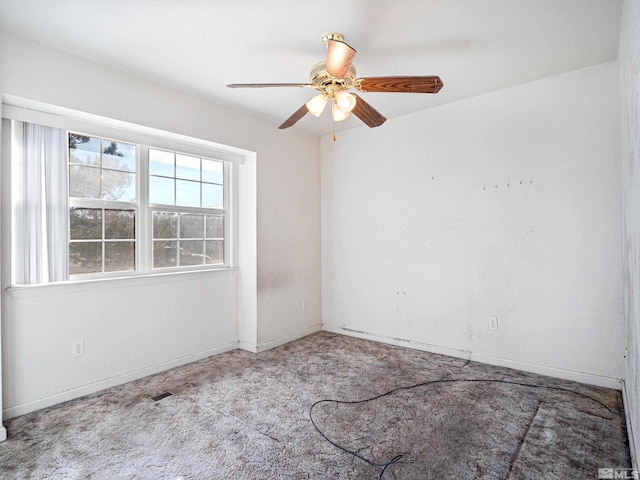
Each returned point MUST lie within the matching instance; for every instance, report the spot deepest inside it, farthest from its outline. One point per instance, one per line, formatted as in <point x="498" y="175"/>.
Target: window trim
<point x="96" y="284"/>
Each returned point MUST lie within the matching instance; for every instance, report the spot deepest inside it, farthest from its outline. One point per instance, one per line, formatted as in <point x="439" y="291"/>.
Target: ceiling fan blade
<point x="301" y="112"/>
<point x="430" y="84"/>
<point x="367" y="113"/>
<point x="339" y="58"/>
<point x="265" y="85"/>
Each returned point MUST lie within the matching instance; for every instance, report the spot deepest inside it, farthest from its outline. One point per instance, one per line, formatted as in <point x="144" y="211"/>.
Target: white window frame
<point x="158" y="207"/>
<point x="75" y="202"/>
<point x="144" y="138"/>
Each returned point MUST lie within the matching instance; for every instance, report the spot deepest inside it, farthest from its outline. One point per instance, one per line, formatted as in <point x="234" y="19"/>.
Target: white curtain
<point x="40" y="206"/>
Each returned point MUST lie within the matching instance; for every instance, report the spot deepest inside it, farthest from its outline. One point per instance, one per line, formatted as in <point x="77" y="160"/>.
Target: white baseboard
<point x="279" y="341"/>
<point x="633" y="445"/>
<point x="3" y="434"/>
<point x="249" y="347"/>
<point x="24" y="408"/>
<point x="581" y="377"/>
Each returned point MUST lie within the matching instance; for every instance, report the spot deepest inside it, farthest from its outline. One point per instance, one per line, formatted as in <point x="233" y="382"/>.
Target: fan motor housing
<point x="322" y="80"/>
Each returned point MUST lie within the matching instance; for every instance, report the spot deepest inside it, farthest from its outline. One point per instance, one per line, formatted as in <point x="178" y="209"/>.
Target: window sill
<point x="24" y="291"/>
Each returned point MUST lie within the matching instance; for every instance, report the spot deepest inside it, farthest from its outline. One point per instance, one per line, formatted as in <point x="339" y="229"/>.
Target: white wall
<point x="630" y="101"/>
<point x="133" y="328"/>
<point x="505" y="205"/>
<point x="129" y="330"/>
<point x="288" y="244"/>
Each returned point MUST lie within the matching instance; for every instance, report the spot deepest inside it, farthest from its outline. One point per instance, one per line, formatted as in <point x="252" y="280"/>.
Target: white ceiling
<point x="200" y="46"/>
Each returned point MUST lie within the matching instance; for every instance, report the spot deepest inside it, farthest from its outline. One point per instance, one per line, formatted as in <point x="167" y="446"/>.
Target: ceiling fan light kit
<point x="335" y="76"/>
<point x="345" y="101"/>
<point x="316" y="104"/>
<point x="337" y="114"/>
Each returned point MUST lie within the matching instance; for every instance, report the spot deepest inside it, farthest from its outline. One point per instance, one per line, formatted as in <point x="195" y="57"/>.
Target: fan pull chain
<point x="334" y="131"/>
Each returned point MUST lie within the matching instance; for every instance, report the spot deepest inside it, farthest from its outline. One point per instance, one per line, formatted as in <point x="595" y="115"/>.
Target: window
<point x="187" y="199"/>
<point x="126" y="207"/>
<point x="102" y="205"/>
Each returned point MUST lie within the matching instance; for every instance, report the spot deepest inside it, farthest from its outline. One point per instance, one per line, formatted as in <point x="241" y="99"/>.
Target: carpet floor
<point x="325" y="406"/>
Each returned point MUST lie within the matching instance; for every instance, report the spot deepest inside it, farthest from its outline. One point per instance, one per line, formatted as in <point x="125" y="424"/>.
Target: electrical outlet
<point x="77" y="348"/>
<point x="493" y="323"/>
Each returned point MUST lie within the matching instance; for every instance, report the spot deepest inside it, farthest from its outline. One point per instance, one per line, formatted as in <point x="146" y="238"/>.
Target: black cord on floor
<point x="385" y="465"/>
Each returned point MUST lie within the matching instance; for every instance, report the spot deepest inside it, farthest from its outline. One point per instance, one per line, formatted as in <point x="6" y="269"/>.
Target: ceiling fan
<point x="334" y="77"/>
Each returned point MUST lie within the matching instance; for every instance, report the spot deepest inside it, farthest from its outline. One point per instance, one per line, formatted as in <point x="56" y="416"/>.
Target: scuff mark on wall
<point x="275" y="278"/>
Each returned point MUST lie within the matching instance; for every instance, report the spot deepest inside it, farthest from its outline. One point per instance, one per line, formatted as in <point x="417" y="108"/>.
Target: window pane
<point x="119" y="256"/>
<point x="161" y="190"/>
<point x="165" y="225"/>
<point x="84" y="157"/>
<point x="161" y="163"/>
<point x="84" y="182"/>
<point x="84" y="142"/>
<point x="215" y="251"/>
<point x="187" y="193"/>
<point x="119" y="156"/>
<point x="85" y="223"/>
<point x="119" y="224"/>
<point x="191" y="225"/>
<point x="215" y="226"/>
<point x="187" y="167"/>
<point x="164" y="254"/>
<point x="85" y="257"/>
<point x="212" y="171"/>
<point x="212" y="196"/>
<point x="118" y="186"/>
<point x="191" y="252"/>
